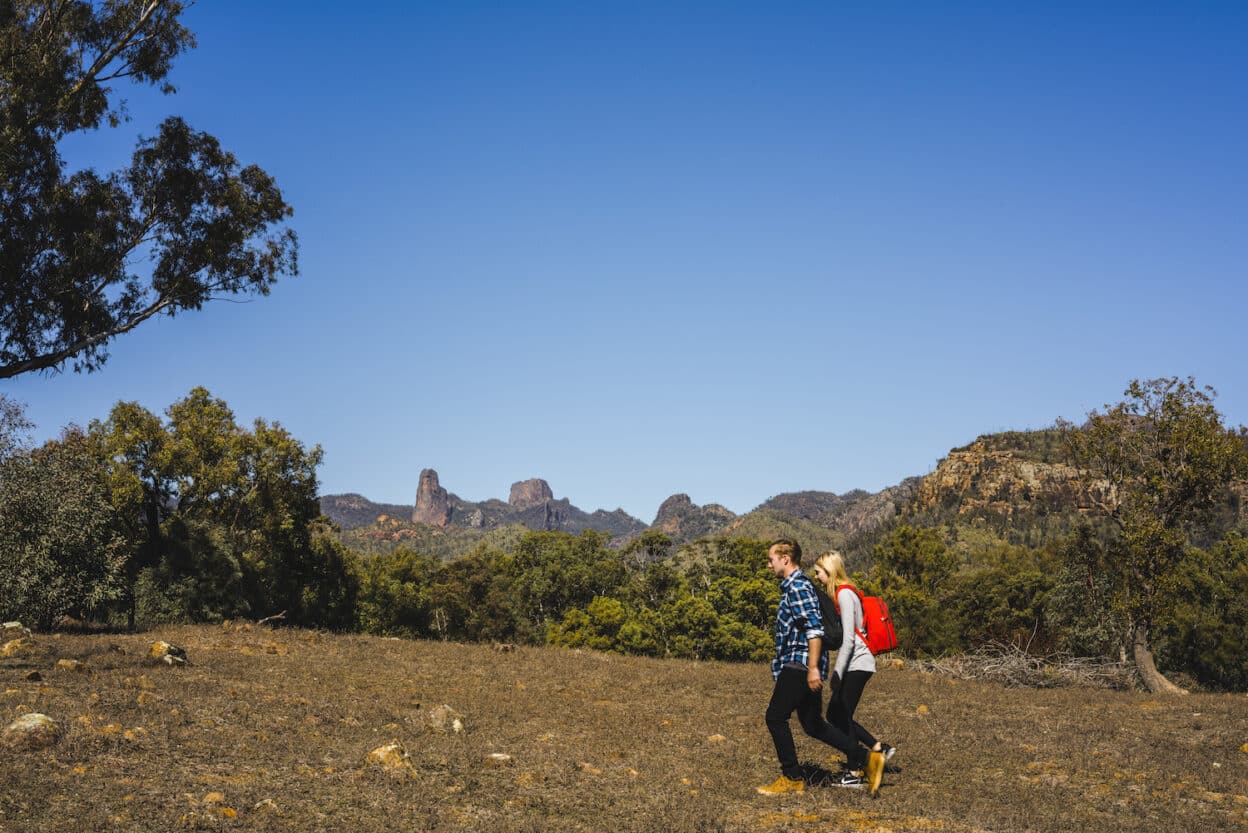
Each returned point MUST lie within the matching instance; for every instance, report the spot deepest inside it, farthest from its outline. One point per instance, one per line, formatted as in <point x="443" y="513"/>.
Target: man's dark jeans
<point x="791" y="694"/>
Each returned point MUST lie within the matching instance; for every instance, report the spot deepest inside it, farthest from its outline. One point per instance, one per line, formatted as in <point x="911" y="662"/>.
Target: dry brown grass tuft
<point x="271" y="730"/>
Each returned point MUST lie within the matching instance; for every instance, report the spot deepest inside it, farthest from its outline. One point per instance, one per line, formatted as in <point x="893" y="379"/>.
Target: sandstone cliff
<point x="986" y="478"/>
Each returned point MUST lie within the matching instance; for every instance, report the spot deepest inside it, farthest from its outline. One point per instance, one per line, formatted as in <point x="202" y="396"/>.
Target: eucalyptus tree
<point x="85" y="256"/>
<point x="1158" y="463"/>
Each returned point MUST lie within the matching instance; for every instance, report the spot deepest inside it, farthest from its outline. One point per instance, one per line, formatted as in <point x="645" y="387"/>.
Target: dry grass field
<point x="270" y="730"/>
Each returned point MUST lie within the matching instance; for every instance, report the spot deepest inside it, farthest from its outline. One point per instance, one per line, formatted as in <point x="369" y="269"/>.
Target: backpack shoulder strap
<point x="861" y="602"/>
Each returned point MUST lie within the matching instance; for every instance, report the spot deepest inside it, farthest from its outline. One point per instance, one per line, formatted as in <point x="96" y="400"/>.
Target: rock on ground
<point x="163" y="652"/>
<point x="30" y="731"/>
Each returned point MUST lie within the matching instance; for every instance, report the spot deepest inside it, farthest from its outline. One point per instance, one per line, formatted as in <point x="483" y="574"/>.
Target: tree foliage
<point x="60" y="552"/>
<point x="1162" y="459"/>
<point x="72" y="242"/>
<point x="221" y="520"/>
<point x="911" y="571"/>
<point x="1203" y="629"/>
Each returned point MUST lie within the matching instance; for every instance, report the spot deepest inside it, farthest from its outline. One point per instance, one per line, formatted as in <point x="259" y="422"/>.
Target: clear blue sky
<point x="728" y="249"/>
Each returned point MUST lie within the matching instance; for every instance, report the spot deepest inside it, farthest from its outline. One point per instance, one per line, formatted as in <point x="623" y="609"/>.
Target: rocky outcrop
<point x="870" y="511"/>
<point x="683" y="520"/>
<point x="529" y="493"/>
<point x="531" y="504"/>
<point x="433" y="505"/>
<point x="982" y="479"/>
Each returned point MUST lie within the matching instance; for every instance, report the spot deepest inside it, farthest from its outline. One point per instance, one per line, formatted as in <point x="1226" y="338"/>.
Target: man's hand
<point x="814" y="647"/>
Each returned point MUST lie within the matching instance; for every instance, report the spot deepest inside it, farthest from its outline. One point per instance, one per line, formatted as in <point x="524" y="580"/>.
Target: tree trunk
<point x="1153" y="679"/>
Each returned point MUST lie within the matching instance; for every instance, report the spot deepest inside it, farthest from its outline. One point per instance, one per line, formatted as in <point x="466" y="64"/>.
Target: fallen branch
<point x="1014" y="667"/>
<point x="272" y="618"/>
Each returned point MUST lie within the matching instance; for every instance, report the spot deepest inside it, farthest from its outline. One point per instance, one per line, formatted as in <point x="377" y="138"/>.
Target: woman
<point x="854" y="666"/>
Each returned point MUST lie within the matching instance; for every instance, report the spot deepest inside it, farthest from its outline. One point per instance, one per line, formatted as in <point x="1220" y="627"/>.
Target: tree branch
<point x="51" y="360"/>
<point x="106" y="57"/>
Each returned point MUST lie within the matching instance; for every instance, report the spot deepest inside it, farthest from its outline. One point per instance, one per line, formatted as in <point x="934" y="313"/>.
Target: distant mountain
<point x="852" y="513"/>
<point x="390" y="533"/>
<point x="530" y="504"/>
<point x="683" y="520"/>
<point x="770" y="524"/>
<point x="1017" y="487"/>
<point x="352" y="510"/>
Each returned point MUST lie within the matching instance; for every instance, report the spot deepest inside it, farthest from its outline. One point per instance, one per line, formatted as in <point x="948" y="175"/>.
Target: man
<point x="799" y="669"/>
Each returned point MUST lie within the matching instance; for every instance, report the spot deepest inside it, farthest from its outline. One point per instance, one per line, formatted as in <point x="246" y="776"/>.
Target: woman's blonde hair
<point x="834" y="565"/>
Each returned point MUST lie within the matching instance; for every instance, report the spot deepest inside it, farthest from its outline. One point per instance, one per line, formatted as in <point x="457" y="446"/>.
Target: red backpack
<point x="880" y="636"/>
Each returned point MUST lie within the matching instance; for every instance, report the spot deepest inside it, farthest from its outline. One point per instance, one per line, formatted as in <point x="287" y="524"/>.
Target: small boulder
<point x="446" y="719"/>
<point x="75" y="665"/>
<point x="30" y="731"/>
<point x="392" y="757"/>
<point x="162" y="652"/>
<point x="498" y="759"/>
<point x="14" y="630"/>
<point x="34" y="677"/>
<point x="21" y="648"/>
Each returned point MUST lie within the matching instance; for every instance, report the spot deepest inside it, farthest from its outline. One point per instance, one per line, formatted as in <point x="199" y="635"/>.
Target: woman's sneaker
<point x="848" y="779"/>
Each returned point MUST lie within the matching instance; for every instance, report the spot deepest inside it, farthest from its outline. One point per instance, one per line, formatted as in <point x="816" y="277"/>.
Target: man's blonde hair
<point x="790" y="549"/>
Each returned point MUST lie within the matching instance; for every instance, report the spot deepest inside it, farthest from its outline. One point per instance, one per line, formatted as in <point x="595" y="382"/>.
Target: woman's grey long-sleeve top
<point x="854" y="655"/>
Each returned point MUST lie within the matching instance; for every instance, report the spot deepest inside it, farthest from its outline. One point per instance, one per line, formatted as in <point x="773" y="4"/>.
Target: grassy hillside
<point x="271" y="731"/>
<point x="770" y="524"/>
<point x="388" y="534"/>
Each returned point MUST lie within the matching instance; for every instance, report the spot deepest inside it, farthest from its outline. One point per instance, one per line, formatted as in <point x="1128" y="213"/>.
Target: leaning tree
<point x="1161" y="459"/>
<point x="86" y="256"/>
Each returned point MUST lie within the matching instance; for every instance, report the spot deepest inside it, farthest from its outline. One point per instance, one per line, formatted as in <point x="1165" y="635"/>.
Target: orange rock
<point x="393" y="756"/>
<point x="18" y="648"/>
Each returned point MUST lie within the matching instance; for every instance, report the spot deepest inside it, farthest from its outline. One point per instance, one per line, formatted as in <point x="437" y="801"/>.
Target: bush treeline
<point x="139" y="520"/>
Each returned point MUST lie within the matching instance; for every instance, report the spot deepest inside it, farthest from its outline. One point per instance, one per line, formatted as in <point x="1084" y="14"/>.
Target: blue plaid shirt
<point x="797" y="622"/>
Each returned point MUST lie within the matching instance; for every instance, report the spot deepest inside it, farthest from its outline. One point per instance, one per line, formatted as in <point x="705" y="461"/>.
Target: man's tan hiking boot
<point x="783" y="785"/>
<point x="875" y="771"/>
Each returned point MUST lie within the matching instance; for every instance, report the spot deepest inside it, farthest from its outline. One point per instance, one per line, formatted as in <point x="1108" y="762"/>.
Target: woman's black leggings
<point x="844" y="701"/>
